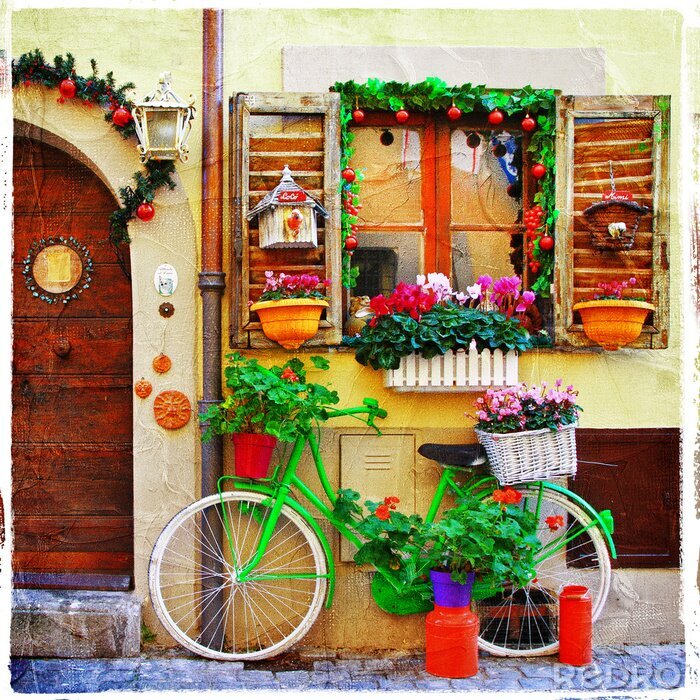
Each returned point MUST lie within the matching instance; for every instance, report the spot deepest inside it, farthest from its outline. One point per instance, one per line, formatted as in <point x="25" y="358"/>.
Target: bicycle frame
<point x="279" y="490"/>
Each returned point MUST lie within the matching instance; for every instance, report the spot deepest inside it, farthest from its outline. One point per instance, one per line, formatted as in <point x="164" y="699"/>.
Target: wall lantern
<point x="163" y="122"/>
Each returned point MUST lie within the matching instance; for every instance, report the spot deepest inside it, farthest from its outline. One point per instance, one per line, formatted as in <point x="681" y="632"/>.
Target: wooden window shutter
<point x="631" y="133"/>
<point x="268" y="131"/>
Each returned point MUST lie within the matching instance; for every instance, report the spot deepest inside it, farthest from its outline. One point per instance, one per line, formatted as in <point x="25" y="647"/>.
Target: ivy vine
<point x="432" y="95"/>
<point x="32" y="69"/>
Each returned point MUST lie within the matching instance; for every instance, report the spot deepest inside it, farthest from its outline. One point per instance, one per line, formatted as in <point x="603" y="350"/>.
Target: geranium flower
<point x="383" y="512"/>
<point x="290" y="375"/>
<point x="554" y="522"/>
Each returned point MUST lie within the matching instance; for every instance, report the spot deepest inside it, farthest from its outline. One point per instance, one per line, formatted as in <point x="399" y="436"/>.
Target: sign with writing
<point x="291" y="196"/>
<point x="618" y="195"/>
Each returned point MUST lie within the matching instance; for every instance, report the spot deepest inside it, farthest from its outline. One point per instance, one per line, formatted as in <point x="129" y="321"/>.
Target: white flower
<point x="474" y="291"/>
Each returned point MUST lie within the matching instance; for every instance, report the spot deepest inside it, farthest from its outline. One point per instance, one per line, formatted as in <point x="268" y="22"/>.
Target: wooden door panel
<point x="58" y="190"/>
<point x="90" y="229"/>
<point x="71" y="462"/>
<point x="73" y="562"/>
<point x="113" y="303"/>
<point x="70" y="410"/>
<point x="90" y="342"/>
<point x="642" y="490"/>
<point x="70" y="534"/>
<point x="89" y="497"/>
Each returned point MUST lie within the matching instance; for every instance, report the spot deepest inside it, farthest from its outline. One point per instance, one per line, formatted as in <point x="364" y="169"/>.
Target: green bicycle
<point x="243" y="574"/>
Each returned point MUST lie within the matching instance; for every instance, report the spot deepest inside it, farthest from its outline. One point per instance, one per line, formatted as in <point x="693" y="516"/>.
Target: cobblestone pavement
<point x="620" y="669"/>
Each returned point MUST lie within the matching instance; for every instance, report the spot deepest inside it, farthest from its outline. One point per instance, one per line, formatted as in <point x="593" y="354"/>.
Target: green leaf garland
<point x="32" y="69"/>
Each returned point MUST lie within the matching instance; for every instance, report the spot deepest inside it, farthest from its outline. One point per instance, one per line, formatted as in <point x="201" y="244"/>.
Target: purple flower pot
<point x="450" y="594"/>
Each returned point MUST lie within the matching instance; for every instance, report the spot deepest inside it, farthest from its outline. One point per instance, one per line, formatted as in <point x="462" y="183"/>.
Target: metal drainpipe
<point x="212" y="281"/>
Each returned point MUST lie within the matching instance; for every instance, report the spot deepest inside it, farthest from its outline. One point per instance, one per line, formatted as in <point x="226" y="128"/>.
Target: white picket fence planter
<point x="455" y="371"/>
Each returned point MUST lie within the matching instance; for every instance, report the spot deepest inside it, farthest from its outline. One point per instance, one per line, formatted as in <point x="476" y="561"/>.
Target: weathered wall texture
<point x="622" y="389"/>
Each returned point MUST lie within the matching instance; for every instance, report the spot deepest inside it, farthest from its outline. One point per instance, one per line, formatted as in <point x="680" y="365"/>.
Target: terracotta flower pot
<point x="253" y="453"/>
<point x="290" y="322"/>
<point x="613" y="323"/>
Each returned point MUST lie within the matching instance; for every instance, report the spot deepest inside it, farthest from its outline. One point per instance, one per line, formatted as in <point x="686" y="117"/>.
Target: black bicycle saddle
<point x="454" y="455"/>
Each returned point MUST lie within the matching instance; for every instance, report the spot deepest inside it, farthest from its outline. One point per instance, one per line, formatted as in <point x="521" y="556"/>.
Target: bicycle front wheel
<point x="525" y="621"/>
<point x="196" y="592"/>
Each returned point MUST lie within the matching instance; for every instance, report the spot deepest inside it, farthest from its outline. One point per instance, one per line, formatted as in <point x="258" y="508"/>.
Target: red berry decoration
<point x="146" y="211"/>
<point x="121" y="116"/>
<point x="358" y="116"/>
<point x="348" y="175"/>
<point x="67" y="88"/>
<point x="538" y="171"/>
<point x="350" y="243"/>
<point x="528" y="123"/>
<point x="454" y="113"/>
<point x="496" y="117"/>
<point x="402" y="116"/>
<point x="546" y="242"/>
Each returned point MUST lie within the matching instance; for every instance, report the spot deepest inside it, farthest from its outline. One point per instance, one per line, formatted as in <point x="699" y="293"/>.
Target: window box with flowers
<point x="426" y="336"/>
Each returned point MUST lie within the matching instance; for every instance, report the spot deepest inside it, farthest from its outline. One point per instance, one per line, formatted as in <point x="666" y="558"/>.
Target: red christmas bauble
<point x="67" y="88"/>
<point x="348" y="175"/>
<point x="121" y="116"/>
<point x="538" y="171"/>
<point x="350" y="243"/>
<point x="351" y="210"/>
<point x="546" y="243"/>
<point x="402" y="116"/>
<point x="454" y="113"/>
<point x="358" y="116"/>
<point x="496" y="117"/>
<point x="146" y="211"/>
<point x="528" y="123"/>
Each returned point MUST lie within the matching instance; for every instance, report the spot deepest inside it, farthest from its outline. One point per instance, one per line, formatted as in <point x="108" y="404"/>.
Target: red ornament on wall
<point x="121" y="116"/>
<point x="538" y="171"/>
<point x="528" y="123"/>
<point x="454" y="113"/>
<point x="350" y="243"/>
<point x="172" y="409"/>
<point x="143" y="388"/>
<point x="496" y="117"/>
<point x="358" y="116"/>
<point x="145" y="211"/>
<point x="546" y="242"/>
<point x="67" y="88"/>
<point x="402" y="116"/>
<point x="348" y="175"/>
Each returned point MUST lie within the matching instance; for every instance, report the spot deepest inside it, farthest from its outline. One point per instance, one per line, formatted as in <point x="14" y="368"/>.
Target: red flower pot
<point x="253" y="454"/>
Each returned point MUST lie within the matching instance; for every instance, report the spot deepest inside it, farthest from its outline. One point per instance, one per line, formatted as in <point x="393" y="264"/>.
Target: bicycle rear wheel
<point x="198" y="597"/>
<point x="525" y="621"/>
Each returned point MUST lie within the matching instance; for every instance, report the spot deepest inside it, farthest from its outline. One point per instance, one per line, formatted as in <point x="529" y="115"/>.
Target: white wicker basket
<point x="531" y="455"/>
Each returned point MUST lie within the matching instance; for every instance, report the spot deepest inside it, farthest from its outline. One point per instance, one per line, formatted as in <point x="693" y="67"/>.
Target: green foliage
<point x="445" y="327"/>
<point x="277" y="401"/>
<point x="158" y="174"/>
<point x="494" y="539"/>
<point x="433" y="95"/>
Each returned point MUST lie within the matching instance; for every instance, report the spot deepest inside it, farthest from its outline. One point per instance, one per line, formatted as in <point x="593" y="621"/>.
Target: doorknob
<point x="62" y="347"/>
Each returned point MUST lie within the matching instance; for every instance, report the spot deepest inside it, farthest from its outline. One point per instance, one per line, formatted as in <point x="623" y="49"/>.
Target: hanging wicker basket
<point x="613" y="223"/>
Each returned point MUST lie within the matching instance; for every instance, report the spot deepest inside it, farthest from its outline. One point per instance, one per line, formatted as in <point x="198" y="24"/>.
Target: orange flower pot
<point x="613" y="323"/>
<point x="290" y="322"/>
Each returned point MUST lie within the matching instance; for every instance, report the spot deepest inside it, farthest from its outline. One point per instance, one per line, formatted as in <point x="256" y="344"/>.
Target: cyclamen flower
<point x="527" y="298"/>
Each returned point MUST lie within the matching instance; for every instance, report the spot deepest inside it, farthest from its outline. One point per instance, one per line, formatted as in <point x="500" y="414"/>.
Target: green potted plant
<point x="264" y="405"/>
<point x="528" y="432"/>
<point x="490" y="541"/>
<point x="428" y="320"/>
<point x="612" y="319"/>
<point x="290" y="307"/>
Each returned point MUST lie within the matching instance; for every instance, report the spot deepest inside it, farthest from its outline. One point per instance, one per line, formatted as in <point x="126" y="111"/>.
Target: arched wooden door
<point x="72" y="402"/>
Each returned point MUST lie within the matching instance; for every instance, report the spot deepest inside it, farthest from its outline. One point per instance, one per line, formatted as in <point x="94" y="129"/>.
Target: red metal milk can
<point x="451" y="638"/>
<point x="575" y="626"/>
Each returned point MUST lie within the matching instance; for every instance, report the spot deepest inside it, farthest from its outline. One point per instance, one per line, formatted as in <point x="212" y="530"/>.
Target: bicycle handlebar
<point x="370" y="407"/>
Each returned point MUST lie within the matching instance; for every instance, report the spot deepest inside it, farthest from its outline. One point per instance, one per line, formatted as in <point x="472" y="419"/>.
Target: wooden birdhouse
<point x="287" y="216"/>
